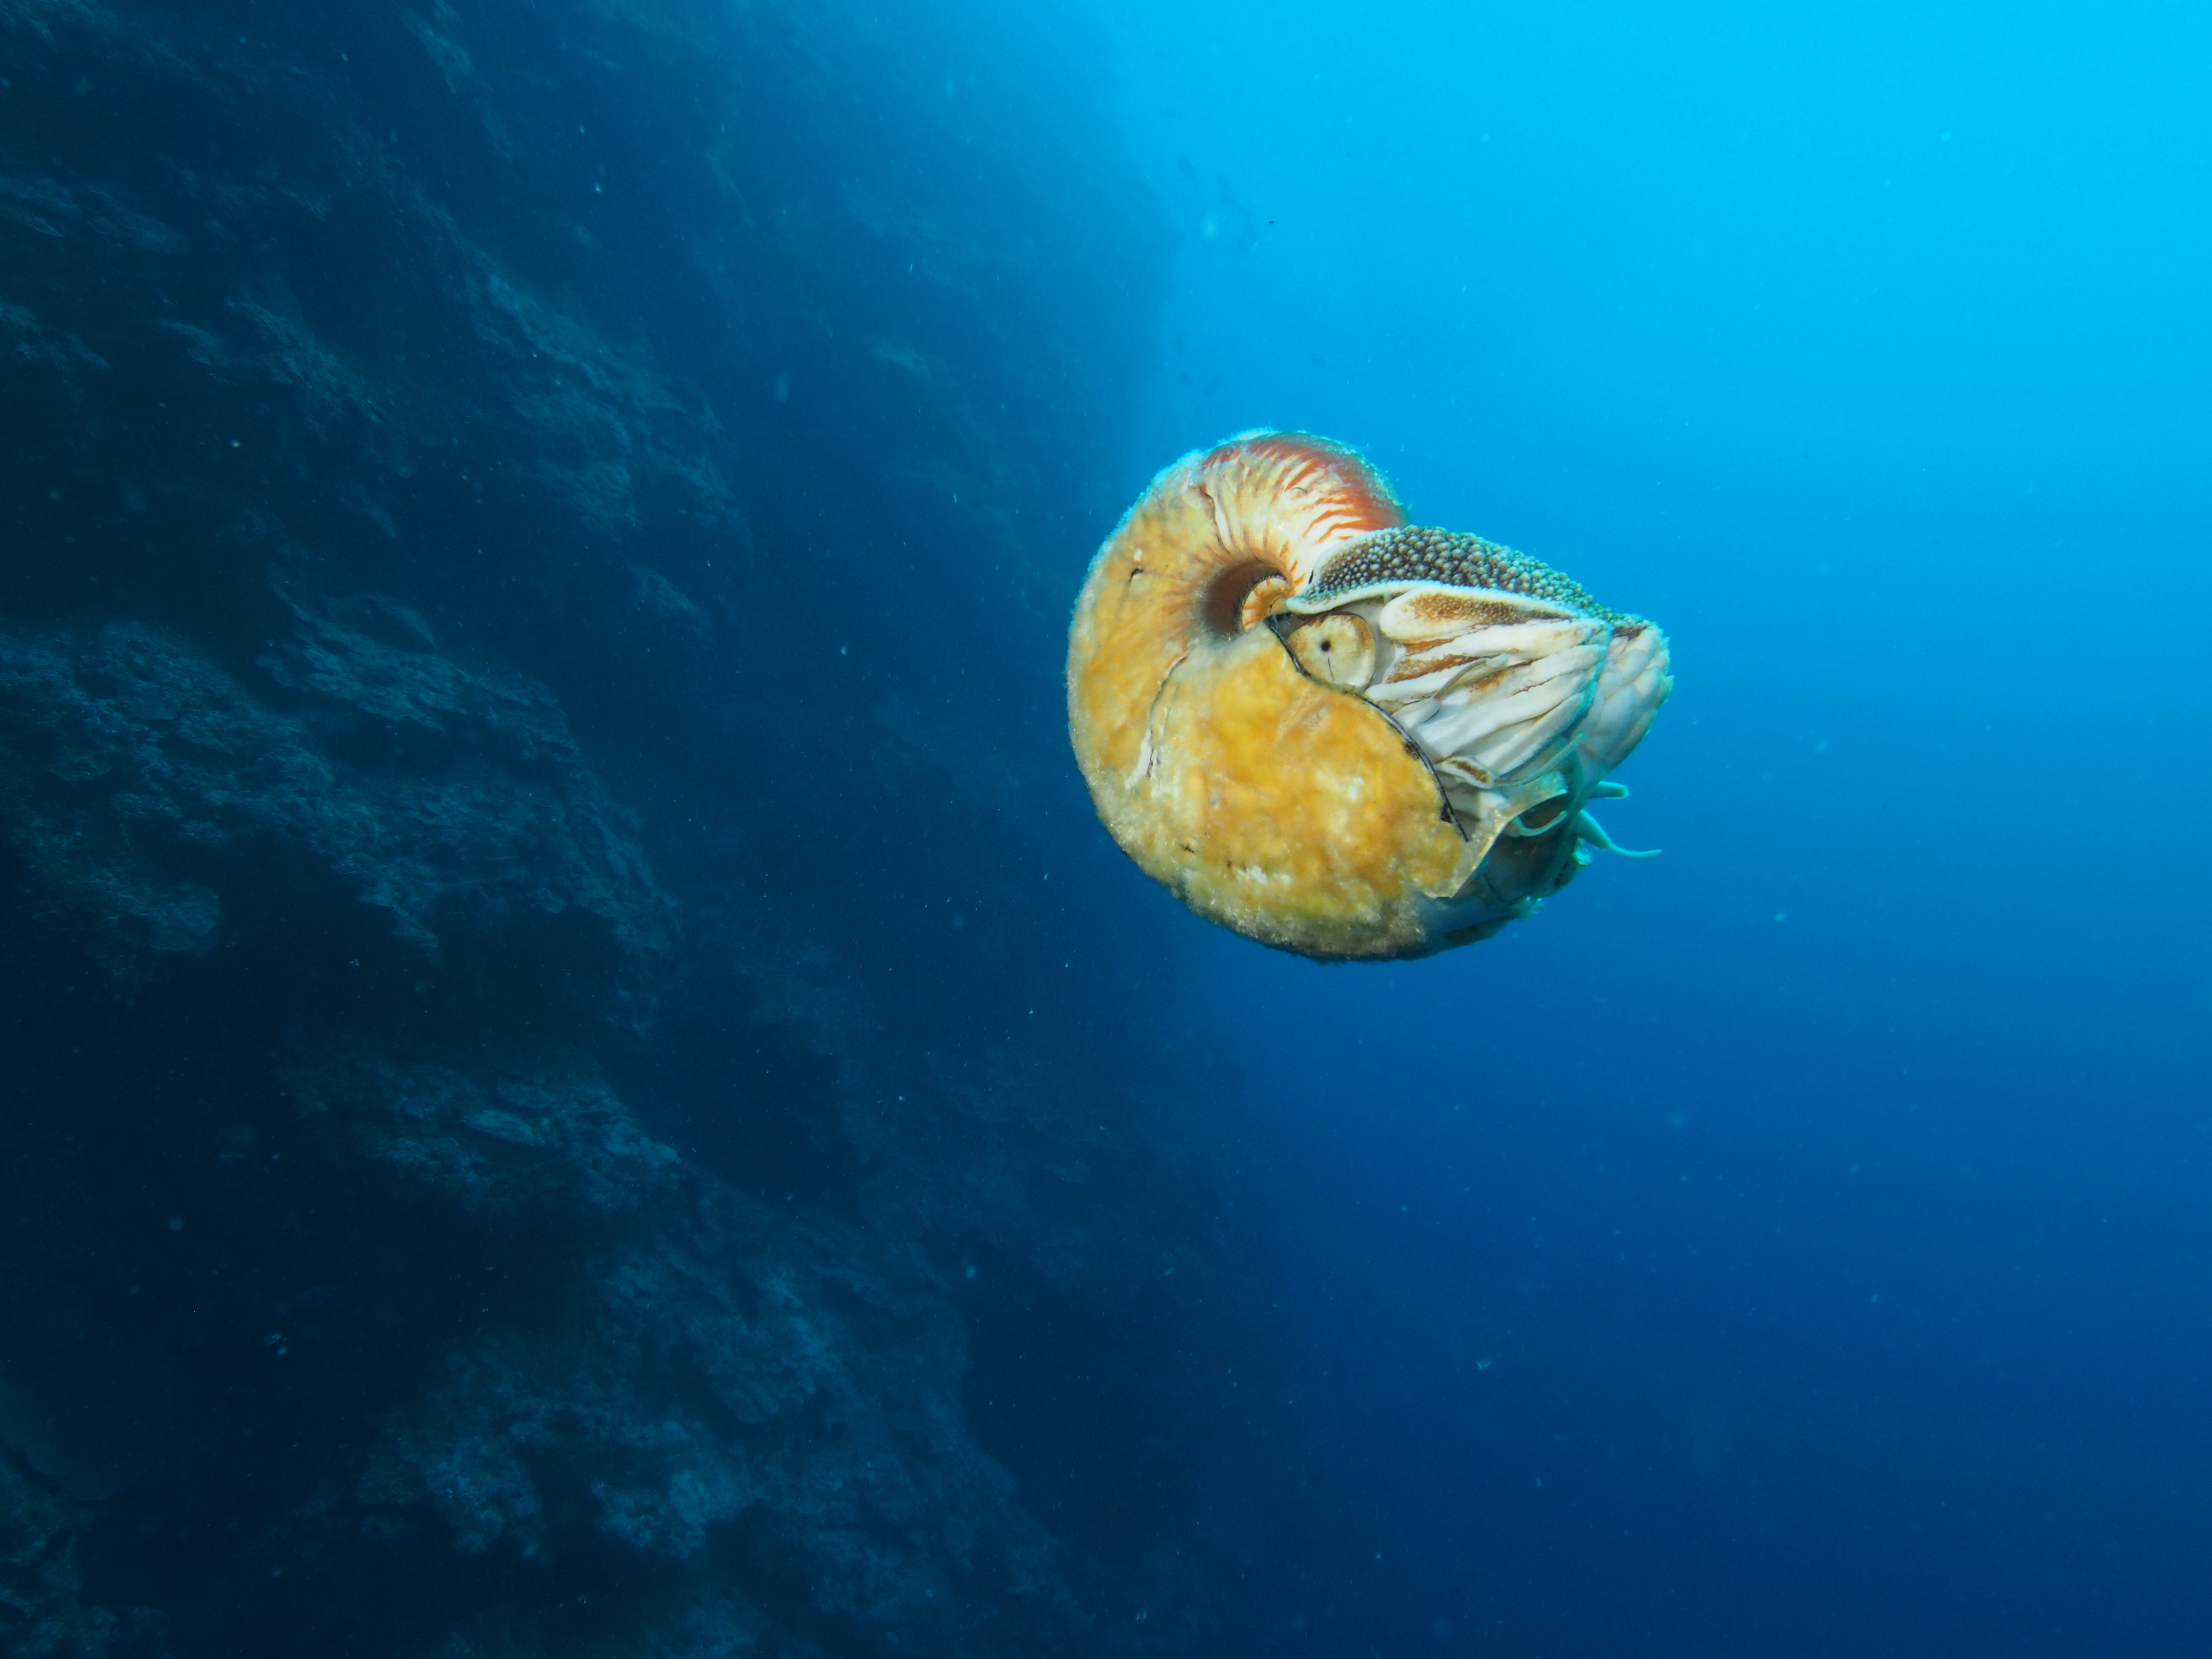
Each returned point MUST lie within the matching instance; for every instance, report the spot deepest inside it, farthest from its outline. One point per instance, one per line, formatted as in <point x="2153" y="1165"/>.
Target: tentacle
<point x="1594" y="832"/>
<point x="1608" y="790"/>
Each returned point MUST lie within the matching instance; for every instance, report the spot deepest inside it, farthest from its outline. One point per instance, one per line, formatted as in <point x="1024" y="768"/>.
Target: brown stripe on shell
<point x="1452" y="614"/>
<point x="1414" y="664"/>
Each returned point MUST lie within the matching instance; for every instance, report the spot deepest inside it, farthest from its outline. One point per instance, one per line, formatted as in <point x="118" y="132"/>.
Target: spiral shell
<point x="1332" y="731"/>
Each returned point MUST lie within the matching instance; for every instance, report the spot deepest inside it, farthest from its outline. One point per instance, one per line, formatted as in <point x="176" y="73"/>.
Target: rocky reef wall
<point x="566" y="1086"/>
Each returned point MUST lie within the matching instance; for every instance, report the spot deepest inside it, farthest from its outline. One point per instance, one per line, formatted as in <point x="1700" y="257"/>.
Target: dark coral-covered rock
<point x="43" y="1613"/>
<point x="140" y="778"/>
<point x="560" y="1091"/>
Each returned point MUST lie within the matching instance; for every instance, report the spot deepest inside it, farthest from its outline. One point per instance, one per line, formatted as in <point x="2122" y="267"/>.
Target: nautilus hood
<point x="1335" y="732"/>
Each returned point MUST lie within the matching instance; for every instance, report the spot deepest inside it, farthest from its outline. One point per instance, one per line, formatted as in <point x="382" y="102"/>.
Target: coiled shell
<point x="1335" y="733"/>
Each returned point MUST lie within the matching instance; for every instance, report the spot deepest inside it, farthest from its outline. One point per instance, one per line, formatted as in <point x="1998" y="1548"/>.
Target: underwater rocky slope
<point x="550" y="1103"/>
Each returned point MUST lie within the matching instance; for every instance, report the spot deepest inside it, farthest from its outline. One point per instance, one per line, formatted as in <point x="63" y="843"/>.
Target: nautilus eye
<point x="1337" y="649"/>
<point x="1336" y="732"/>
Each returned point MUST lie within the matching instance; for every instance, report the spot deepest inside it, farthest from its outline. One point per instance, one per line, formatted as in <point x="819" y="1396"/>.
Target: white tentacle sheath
<point x="1519" y="691"/>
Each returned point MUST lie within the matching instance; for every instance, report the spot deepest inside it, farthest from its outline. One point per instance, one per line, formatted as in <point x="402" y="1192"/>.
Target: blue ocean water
<point x="1800" y="1243"/>
<point x="579" y="1080"/>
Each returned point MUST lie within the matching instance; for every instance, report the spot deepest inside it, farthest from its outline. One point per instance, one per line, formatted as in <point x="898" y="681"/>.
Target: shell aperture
<point x="1335" y="732"/>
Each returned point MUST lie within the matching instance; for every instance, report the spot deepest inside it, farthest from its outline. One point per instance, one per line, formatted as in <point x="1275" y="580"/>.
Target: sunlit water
<point x="1797" y="1243"/>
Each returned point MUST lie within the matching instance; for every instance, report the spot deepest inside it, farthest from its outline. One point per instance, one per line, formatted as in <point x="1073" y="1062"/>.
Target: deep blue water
<point x="580" y="1080"/>
<point x="1799" y="1244"/>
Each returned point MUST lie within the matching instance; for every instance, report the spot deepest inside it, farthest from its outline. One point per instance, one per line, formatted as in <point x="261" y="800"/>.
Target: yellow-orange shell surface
<point x="1277" y="805"/>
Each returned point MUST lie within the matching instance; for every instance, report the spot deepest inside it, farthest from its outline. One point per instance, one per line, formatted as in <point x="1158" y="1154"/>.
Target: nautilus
<point x="1336" y="732"/>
